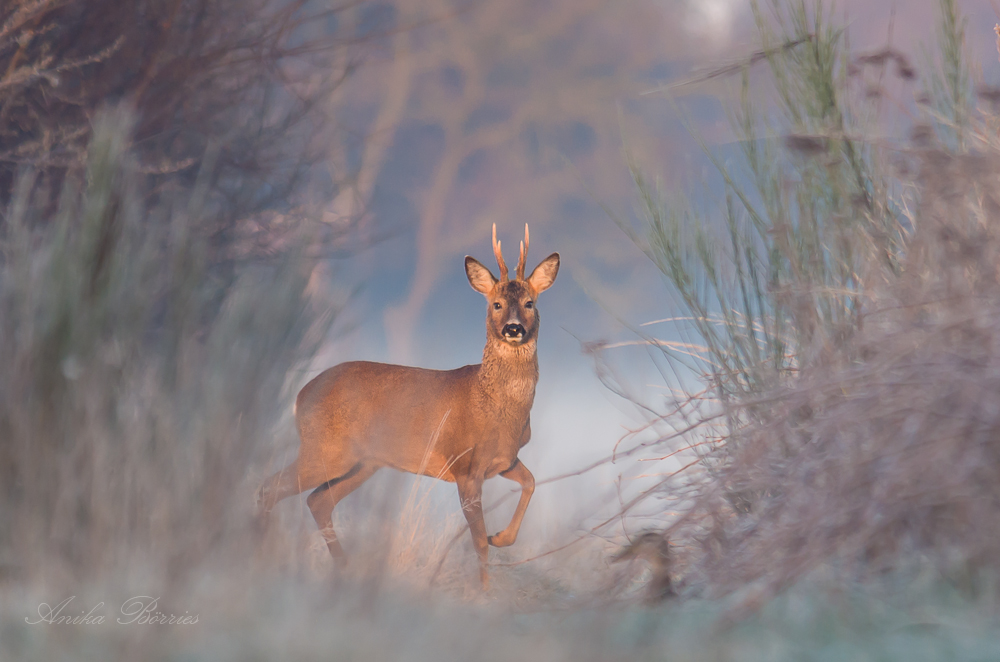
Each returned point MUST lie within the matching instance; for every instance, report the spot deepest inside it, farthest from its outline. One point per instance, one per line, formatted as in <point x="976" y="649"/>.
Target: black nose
<point x="513" y="330"/>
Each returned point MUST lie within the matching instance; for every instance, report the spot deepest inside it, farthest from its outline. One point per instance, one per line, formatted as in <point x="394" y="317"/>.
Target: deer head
<point x="512" y="313"/>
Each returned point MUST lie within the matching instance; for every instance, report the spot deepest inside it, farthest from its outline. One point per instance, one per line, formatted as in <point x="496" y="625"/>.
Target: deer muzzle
<point x="513" y="331"/>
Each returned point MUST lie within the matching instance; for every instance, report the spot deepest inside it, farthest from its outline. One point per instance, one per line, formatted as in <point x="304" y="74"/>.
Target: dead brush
<point x="885" y="457"/>
<point x="233" y="94"/>
<point x="852" y="400"/>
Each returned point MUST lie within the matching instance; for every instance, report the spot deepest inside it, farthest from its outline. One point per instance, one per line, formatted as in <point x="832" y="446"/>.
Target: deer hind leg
<point x="281" y="485"/>
<point x="520" y="474"/>
<point x="325" y="498"/>
<point x="470" y="491"/>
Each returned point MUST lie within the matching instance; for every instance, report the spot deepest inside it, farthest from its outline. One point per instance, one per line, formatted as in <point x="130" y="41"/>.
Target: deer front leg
<point x="520" y="474"/>
<point x="470" y="491"/>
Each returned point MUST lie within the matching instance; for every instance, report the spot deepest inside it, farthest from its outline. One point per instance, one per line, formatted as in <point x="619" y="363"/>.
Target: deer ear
<point x="480" y="278"/>
<point x="545" y="273"/>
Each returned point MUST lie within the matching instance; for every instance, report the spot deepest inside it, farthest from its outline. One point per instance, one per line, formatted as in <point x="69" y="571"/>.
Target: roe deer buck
<point x="462" y="426"/>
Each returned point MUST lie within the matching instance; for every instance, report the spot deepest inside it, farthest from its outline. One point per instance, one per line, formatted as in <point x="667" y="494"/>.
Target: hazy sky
<point x="522" y="111"/>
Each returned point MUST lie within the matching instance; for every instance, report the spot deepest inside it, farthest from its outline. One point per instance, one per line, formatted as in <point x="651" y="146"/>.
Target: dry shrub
<point x="846" y="336"/>
<point x="137" y="386"/>
<point x="885" y="456"/>
<point x="243" y="87"/>
<point x="159" y="160"/>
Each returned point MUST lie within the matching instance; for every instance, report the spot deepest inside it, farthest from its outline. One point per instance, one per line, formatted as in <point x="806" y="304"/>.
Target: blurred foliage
<point x="843" y="322"/>
<point x="161" y="164"/>
<point x="811" y="224"/>
<point x="240" y="86"/>
<point x="136" y="386"/>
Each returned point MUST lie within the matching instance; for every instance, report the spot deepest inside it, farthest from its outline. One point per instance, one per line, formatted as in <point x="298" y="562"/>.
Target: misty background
<point x="526" y="112"/>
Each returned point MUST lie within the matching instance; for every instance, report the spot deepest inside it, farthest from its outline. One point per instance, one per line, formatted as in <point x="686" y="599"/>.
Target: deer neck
<point x="509" y="373"/>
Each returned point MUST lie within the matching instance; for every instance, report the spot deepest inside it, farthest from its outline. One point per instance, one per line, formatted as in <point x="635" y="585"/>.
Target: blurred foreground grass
<point x="345" y="620"/>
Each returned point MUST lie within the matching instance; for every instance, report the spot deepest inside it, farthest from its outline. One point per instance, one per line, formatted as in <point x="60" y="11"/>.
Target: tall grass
<point x="138" y="384"/>
<point x="777" y="281"/>
<point x="842" y="304"/>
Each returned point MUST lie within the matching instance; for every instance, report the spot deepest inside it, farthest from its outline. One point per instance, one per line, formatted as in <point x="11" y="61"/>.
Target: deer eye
<point x="529" y="305"/>
<point x="496" y="305"/>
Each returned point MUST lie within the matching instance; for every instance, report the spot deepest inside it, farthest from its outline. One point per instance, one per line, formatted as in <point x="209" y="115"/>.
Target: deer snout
<point x="513" y="331"/>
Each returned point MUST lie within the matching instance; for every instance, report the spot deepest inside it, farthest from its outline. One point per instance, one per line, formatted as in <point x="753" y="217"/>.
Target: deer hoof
<point x="499" y="540"/>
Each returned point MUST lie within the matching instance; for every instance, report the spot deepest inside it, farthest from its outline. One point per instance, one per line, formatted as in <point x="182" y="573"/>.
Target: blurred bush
<point x="843" y="311"/>
<point x="241" y="85"/>
<point x="160" y="164"/>
<point x="136" y="385"/>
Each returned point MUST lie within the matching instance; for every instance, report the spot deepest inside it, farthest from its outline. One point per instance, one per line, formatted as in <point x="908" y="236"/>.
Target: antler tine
<point x="499" y="255"/>
<point x="521" y="263"/>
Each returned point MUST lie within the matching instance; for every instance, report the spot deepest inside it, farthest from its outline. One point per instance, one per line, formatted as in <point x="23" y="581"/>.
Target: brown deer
<point x="462" y="426"/>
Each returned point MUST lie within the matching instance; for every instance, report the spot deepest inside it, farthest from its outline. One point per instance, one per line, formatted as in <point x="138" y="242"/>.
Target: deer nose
<point x="513" y="330"/>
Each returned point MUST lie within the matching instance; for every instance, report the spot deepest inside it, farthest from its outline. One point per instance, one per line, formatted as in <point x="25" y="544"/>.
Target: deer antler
<point x="499" y="255"/>
<point x="524" y="254"/>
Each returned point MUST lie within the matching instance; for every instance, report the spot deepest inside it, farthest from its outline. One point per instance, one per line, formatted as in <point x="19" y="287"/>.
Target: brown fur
<point x="462" y="426"/>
